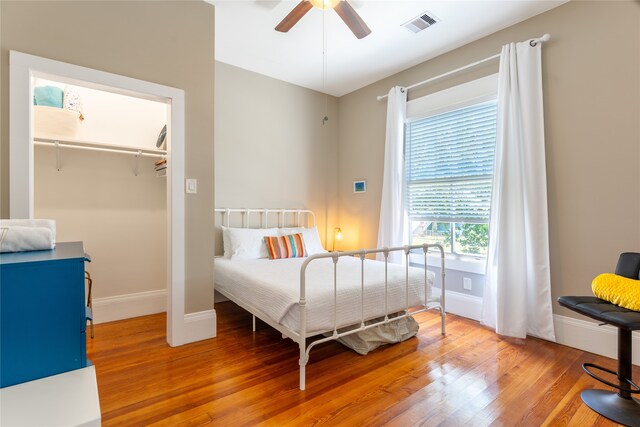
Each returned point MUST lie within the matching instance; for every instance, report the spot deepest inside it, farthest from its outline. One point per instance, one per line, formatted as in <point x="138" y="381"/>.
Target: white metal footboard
<point x="440" y="302"/>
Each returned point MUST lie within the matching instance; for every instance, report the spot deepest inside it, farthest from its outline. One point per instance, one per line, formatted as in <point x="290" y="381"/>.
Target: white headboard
<point x="281" y="215"/>
<point x="260" y="218"/>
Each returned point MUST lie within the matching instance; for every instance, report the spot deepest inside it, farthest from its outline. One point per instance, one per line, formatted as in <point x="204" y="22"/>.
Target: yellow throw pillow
<point x="617" y="290"/>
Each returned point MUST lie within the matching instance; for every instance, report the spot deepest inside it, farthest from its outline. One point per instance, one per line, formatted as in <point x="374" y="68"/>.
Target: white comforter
<point x="273" y="286"/>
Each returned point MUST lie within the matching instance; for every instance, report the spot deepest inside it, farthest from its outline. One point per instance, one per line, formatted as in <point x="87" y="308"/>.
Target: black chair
<point x="618" y="406"/>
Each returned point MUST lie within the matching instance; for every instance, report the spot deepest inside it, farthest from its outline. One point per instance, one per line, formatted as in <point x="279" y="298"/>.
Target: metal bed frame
<point x="301" y="336"/>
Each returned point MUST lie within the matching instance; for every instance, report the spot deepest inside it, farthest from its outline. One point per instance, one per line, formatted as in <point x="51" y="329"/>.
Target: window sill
<point x="463" y="263"/>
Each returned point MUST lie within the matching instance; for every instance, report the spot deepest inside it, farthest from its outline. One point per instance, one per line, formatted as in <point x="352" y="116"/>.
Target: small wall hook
<point x="57" y="145"/>
<point x="136" y="168"/>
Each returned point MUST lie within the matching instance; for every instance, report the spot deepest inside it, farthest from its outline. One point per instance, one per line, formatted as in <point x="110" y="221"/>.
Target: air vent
<point x="421" y="22"/>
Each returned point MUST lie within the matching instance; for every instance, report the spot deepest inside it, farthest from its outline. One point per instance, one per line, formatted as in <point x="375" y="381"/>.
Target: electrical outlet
<point x="466" y="284"/>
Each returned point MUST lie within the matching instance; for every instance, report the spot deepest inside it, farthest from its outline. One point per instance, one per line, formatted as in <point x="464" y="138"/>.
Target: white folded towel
<point x="47" y="223"/>
<point x="18" y="238"/>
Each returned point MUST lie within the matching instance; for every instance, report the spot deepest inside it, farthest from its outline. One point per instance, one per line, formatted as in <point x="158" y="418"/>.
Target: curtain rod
<point x="532" y="42"/>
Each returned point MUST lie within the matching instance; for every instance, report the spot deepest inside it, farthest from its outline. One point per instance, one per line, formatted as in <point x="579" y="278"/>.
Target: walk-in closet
<point x="100" y="172"/>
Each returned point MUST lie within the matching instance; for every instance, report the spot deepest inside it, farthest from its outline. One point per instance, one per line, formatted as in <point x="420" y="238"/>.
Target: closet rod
<point x="532" y="42"/>
<point x="108" y="150"/>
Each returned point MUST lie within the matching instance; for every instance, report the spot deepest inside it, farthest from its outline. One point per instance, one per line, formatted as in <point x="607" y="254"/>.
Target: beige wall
<point x="120" y="217"/>
<point x="165" y="42"/>
<point x="591" y="74"/>
<point x="272" y="150"/>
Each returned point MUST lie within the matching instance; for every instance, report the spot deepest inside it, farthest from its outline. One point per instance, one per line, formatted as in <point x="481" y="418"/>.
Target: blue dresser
<point x="42" y="313"/>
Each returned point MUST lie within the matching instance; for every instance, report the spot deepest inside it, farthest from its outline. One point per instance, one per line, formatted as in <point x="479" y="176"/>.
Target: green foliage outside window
<point x="470" y="239"/>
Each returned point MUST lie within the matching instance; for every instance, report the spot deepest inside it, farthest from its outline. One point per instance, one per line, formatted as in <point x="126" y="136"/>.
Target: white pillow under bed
<point x="312" y="242"/>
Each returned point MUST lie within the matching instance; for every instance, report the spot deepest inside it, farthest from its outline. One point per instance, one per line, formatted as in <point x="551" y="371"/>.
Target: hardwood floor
<point x="468" y="377"/>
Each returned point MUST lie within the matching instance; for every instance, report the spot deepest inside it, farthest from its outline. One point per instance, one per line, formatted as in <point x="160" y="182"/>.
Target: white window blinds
<point x="449" y="164"/>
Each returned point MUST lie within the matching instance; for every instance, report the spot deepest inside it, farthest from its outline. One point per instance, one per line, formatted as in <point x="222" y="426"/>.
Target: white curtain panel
<point x="392" y="230"/>
<point x="517" y="293"/>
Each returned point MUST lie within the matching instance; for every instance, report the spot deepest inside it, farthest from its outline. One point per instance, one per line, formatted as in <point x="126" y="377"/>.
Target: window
<point x="449" y="169"/>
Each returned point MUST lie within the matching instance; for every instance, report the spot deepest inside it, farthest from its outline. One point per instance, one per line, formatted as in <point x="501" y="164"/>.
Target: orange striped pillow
<point x="290" y="246"/>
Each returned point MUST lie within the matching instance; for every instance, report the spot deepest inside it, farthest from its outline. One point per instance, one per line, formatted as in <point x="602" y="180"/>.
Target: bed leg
<point x="303" y="366"/>
<point x="254" y="323"/>
<point x="443" y="316"/>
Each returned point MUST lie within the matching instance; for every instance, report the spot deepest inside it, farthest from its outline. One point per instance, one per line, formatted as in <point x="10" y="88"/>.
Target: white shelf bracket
<point x="136" y="168"/>
<point x="57" y="144"/>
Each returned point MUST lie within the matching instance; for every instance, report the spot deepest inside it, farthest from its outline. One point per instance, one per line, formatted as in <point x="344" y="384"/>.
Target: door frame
<point x="22" y="69"/>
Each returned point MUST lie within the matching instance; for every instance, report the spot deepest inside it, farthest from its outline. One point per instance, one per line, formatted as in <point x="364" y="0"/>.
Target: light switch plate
<point x="192" y="186"/>
<point x="466" y="283"/>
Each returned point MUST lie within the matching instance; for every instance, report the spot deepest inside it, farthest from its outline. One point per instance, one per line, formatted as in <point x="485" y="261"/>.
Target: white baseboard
<point x="460" y="304"/>
<point x="196" y="326"/>
<point x="199" y="326"/>
<point x="588" y="336"/>
<point x="121" y="307"/>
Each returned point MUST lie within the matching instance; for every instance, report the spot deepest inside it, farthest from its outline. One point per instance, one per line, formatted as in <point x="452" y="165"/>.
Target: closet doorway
<point x="95" y="158"/>
<point x="116" y="173"/>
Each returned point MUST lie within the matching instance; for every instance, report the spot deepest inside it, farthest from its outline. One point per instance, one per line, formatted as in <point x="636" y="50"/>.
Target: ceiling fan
<point x="342" y="8"/>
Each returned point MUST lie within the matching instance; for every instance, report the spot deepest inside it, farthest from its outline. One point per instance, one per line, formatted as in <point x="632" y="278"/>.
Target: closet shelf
<point x="96" y="146"/>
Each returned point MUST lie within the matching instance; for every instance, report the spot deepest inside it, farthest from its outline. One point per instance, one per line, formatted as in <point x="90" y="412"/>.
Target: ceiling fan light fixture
<point x="342" y="7"/>
<point x="324" y="4"/>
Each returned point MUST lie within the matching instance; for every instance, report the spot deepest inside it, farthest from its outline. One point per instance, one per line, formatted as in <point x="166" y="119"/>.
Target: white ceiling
<point x="245" y="37"/>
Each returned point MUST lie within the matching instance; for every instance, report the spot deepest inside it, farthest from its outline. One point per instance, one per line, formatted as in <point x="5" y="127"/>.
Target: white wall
<point x="139" y="121"/>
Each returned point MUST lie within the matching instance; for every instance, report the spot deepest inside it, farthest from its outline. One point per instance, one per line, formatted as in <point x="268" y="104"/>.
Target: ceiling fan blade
<point x="294" y="16"/>
<point x="352" y="19"/>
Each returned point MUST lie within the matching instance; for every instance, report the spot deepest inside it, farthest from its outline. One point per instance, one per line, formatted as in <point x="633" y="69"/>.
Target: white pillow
<point x="226" y="242"/>
<point x="248" y="243"/>
<point x="312" y="243"/>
